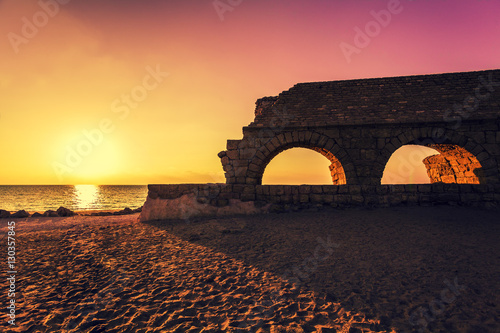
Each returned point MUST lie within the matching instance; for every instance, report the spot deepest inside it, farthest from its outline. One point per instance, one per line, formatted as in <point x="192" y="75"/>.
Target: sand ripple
<point x="113" y="274"/>
<point x="132" y="277"/>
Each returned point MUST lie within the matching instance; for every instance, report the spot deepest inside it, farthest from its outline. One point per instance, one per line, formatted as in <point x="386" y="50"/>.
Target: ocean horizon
<point x="39" y="198"/>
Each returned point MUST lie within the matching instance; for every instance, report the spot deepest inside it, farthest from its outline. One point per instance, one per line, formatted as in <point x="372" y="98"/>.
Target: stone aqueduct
<point x="358" y="125"/>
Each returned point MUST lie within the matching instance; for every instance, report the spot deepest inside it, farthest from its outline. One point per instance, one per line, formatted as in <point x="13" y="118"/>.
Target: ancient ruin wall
<point x="359" y="124"/>
<point x="415" y="99"/>
<point x="187" y="201"/>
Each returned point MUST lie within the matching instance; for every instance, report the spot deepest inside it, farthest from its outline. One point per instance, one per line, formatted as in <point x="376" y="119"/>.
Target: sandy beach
<point x="411" y="269"/>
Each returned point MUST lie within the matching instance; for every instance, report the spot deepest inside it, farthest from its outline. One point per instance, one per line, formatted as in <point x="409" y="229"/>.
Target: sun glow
<point x="87" y="195"/>
<point x="95" y="165"/>
<point x="298" y="166"/>
<point x="62" y="78"/>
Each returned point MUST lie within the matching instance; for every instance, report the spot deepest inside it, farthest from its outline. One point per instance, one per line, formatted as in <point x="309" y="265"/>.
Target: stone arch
<point x="449" y="143"/>
<point x="341" y="168"/>
<point x="453" y="164"/>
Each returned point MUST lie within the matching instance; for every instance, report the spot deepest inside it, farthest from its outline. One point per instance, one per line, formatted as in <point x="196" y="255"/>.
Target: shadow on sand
<point x="430" y="268"/>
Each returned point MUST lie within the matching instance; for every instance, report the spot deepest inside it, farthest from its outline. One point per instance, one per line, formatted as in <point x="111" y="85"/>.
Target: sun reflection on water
<point x="87" y="196"/>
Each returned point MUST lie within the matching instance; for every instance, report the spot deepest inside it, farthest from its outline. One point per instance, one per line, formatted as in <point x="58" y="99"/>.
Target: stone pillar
<point x="454" y="164"/>
<point x="338" y="174"/>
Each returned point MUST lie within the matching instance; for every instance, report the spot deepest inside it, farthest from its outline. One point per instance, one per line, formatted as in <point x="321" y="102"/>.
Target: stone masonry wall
<point x="362" y="151"/>
<point x="217" y="198"/>
<point x="358" y="124"/>
<point x="388" y="100"/>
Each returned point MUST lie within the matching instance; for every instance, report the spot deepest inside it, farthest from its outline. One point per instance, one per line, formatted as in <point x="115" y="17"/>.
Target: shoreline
<point x="65" y="212"/>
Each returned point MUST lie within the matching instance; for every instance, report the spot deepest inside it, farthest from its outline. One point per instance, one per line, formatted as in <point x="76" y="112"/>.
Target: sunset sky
<point x="151" y="90"/>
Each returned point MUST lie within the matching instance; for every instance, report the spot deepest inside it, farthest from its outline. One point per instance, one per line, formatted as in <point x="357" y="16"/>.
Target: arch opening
<point x="405" y="166"/>
<point x="432" y="163"/>
<point x="307" y="165"/>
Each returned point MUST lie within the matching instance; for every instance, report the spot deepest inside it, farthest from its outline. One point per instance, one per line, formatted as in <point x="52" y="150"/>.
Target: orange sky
<point x="87" y="66"/>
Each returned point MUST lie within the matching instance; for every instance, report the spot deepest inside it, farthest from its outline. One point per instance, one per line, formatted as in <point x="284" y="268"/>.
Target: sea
<point x="39" y="198"/>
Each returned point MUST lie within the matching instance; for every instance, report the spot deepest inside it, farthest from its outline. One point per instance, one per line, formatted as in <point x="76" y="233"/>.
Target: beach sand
<point x="433" y="269"/>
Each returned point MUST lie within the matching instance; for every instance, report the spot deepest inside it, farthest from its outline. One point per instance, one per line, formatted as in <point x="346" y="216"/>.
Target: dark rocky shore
<point x="65" y="212"/>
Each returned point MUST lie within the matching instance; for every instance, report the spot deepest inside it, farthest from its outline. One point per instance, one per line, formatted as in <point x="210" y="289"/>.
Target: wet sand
<point x="434" y="269"/>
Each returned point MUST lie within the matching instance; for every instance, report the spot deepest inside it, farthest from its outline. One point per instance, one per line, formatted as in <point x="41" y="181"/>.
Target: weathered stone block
<point x="382" y="189"/>
<point x="248" y="142"/>
<point x="396" y="188"/>
<point x="451" y="188"/>
<point x="253" y="167"/>
<point x="322" y="141"/>
<point x="259" y="189"/>
<point x="286" y="198"/>
<point x="281" y="138"/>
<point x="394" y="199"/>
<point x="305" y="189"/>
<point x="222" y="202"/>
<point x="232" y="154"/>
<point x="277" y="190"/>
<point x="328" y="198"/>
<point x="302" y="135"/>
<point x="479" y="137"/>
<point x="247" y="197"/>
<point x="274" y="143"/>
<point x="232" y="144"/>
<point x="371" y="200"/>
<point x="248" y="189"/>
<point x="410" y="188"/>
<point x="316" y="189"/>
<point x="355" y="189"/>
<point x="357" y="199"/>
<point x="330" y="189"/>
<point x="248" y="153"/>
<point x="261" y="197"/>
<point x="342" y="199"/>
<point x="425" y="198"/>
<point x="343" y="189"/>
<point x="252" y="181"/>
<point x="314" y="138"/>
<point x="424" y="188"/>
<point x="447" y="197"/>
<point x="304" y="198"/>
<point x="316" y="198"/>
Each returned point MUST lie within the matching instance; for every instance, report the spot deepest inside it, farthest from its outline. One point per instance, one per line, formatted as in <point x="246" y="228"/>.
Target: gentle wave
<point x="75" y="197"/>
